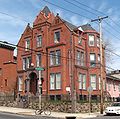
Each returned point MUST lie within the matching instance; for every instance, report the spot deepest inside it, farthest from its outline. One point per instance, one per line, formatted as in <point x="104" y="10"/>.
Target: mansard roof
<point x="87" y="27"/>
<point x="70" y="25"/>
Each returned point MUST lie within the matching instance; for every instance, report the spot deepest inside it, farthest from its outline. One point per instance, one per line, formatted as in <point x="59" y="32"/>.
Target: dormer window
<point x="27" y="44"/>
<point x="39" y="41"/>
<point x="57" y="37"/>
<point x="91" y="40"/>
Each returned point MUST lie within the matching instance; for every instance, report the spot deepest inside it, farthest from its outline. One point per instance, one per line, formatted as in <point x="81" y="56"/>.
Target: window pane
<point x="92" y="59"/>
<point x="91" y="40"/>
<point x="58" y="57"/>
<point x="82" y="59"/>
<point x="27" y="44"/>
<point x="58" y="81"/>
<point x="84" y="81"/>
<point x="52" y="81"/>
<point x="20" y="83"/>
<point x="38" y="60"/>
<point x="28" y="64"/>
<point x="24" y="63"/>
<point x="57" y="37"/>
<point x="93" y="81"/>
<point x="52" y="58"/>
<point x="39" y="41"/>
<point x="78" y="57"/>
<point x="80" y="81"/>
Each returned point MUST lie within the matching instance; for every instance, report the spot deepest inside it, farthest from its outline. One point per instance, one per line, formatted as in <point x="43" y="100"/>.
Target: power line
<point x="44" y="53"/>
<point x="97" y="11"/>
<point x="65" y="9"/>
<point x="91" y="13"/>
<point x="19" y="18"/>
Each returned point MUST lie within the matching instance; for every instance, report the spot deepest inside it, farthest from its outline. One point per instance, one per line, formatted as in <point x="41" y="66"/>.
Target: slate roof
<point x="46" y="10"/>
<point x="71" y="26"/>
<point x="87" y="27"/>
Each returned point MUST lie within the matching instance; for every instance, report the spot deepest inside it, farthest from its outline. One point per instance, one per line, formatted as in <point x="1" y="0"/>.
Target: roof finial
<point x="57" y="14"/>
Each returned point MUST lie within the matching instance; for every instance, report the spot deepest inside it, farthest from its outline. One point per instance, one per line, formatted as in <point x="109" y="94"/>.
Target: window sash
<point x="20" y="83"/>
<point x="24" y="63"/>
<point x="39" y="41"/>
<point x="82" y="81"/>
<point x="27" y="44"/>
<point x="52" y="58"/>
<point x="92" y="60"/>
<point x="57" y="37"/>
<point x="52" y="81"/>
<point x="58" y="57"/>
<point x="82" y="58"/>
<point x="91" y="40"/>
<point x="28" y="63"/>
<point x="58" y="81"/>
<point x="78" y="58"/>
<point x="93" y="81"/>
<point x="38" y="60"/>
<point x="55" y="57"/>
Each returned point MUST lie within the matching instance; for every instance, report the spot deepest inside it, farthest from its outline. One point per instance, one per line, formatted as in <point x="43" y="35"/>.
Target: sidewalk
<point x="22" y="111"/>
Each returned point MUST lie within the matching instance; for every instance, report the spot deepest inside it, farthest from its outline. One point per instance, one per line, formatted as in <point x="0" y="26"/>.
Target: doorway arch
<point x="33" y="83"/>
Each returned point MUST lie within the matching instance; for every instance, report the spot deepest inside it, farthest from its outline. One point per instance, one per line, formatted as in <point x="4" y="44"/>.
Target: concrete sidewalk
<point x="53" y="114"/>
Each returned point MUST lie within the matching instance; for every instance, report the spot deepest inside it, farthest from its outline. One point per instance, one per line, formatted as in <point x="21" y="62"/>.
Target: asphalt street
<point x="15" y="116"/>
<point x="105" y="117"/>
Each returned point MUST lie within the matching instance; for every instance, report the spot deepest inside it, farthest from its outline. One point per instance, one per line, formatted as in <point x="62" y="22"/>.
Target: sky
<point x="16" y="14"/>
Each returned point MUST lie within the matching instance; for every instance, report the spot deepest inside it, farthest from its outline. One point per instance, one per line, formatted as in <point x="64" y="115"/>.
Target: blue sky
<point x="25" y="11"/>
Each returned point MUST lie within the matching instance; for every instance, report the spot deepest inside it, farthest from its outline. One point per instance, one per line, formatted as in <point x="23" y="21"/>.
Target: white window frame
<point x="78" y="57"/>
<point x="20" y="83"/>
<point x="38" y="60"/>
<point x="55" y="57"/>
<point x="24" y="63"/>
<point x="58" y="80"/>
<point x="82" y="59"/>
<point x="92" y="59"/>
<point x="27" y="44"/>
<point x="52" y="81"/>
<point x="91" y="40"/>
<point x="93" y="82"/>
<point x="56" y="38"/>
<point x="55" y="81"/>
<point x="82" y="81"/>
<point x="39" y="40"/>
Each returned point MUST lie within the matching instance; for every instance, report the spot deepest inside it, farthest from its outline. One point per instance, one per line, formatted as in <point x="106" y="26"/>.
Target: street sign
<point x="90" y="89"/>
<point x="39" y="69"/>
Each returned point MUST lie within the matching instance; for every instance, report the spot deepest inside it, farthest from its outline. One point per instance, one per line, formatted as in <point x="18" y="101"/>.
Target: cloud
<point x="74" y="20"/>
<point x="102" y="6"/>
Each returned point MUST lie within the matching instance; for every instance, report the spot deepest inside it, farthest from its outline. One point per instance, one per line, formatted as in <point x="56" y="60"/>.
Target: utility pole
<point x="101" y="60"/>
<point x="72" y="81"/>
